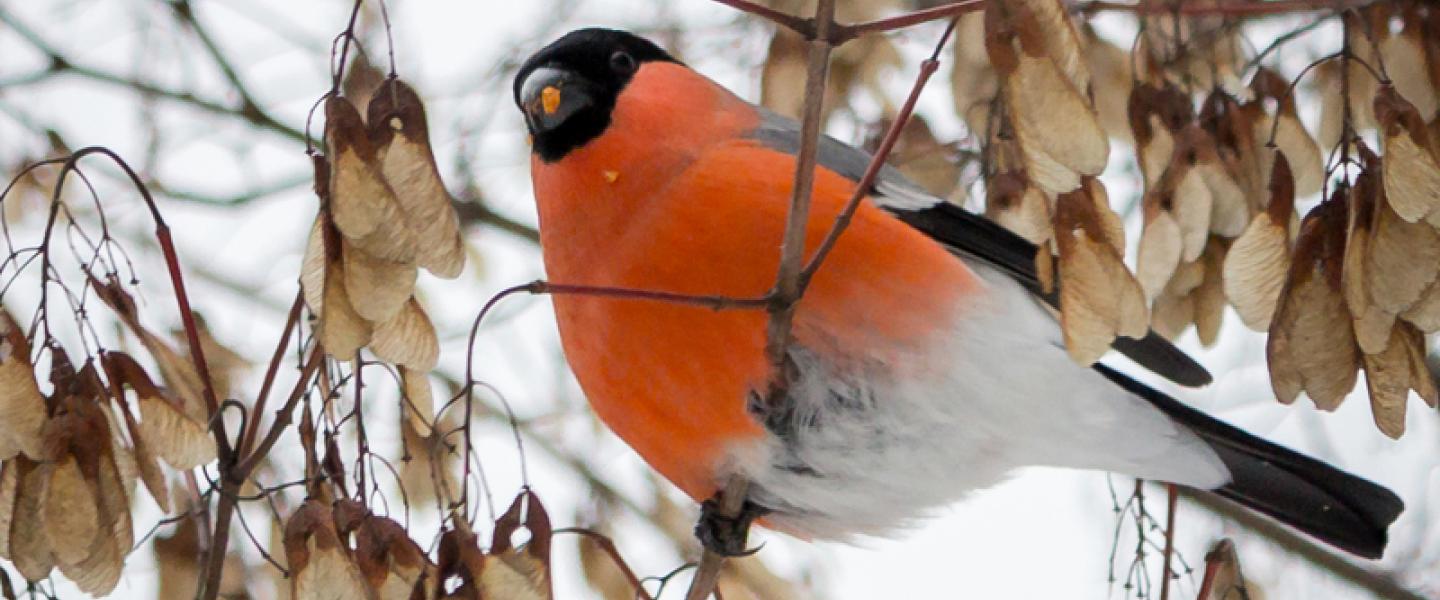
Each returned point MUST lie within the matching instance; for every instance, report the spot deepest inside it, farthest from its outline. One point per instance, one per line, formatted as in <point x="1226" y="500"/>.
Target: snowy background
<point x="1043" y="534"/>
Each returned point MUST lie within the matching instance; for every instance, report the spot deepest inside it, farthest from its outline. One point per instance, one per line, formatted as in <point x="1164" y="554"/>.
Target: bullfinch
<point x="925" y="361"/>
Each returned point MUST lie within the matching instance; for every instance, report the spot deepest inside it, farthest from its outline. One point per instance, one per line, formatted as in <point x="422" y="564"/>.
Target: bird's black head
<point x="568" y="89"/>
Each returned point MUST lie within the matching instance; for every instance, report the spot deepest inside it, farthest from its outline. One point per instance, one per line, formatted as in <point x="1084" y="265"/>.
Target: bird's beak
<point x="550" y="96"/>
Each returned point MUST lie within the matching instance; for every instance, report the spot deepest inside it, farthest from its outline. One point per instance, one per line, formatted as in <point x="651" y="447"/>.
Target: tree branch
<point x="233" y="479"/>
<point x="473" y="210"/>
<point x="248" y="105"/>
<point x="1231" y="8"/>
<point x="788" y="285"/>
<point x="60" y="64"/>
<point x="804" y="27"/>
<point x="249" y="111"/>
<point x="846" y="33"/>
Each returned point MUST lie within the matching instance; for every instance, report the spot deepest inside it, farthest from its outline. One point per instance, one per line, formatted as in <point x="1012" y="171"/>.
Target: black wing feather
<point x="1325" y="502"/>
<point x="1309" y="495"/>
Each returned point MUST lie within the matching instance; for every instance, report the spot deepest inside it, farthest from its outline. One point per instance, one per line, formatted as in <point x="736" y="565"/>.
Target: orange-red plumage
<point x="913" y="379"/>
<point x="696" y="208"/>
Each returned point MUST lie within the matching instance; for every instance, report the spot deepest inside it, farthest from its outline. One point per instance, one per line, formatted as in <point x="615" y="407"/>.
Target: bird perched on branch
<point x="925" y="362"/>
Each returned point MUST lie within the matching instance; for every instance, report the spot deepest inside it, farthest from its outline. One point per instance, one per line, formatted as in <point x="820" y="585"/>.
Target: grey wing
<point x="893" y="190"/>
<point x="971" y="236"/>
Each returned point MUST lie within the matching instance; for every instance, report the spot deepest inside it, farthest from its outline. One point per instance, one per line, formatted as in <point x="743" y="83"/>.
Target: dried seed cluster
<point x="71" y="460"/>
<point x="1223" y="158"/>
<point x="384" y="214"/>
<point x="340" y="549"/>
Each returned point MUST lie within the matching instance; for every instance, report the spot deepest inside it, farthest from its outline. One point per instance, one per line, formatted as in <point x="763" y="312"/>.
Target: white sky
<point x="1043" y="534"/>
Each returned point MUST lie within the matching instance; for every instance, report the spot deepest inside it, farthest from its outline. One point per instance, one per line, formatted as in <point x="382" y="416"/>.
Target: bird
<point x="926" y="360"/>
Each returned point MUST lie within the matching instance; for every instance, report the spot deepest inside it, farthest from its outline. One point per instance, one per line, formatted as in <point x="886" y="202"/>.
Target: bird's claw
<point x="725" y="535"/>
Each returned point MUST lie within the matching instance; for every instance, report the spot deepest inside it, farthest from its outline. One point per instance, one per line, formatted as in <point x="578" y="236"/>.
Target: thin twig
<point x="349" y="35"/>
<point x="248" y="111"/>
<point x="1286" y="38"/>
<point x="186" y="14"/>
<point x="282" y="416"/>
<point x="840" y="34"/>
<point x="1171" y="501"/>
<point x="713" y="302"/>
<point x="60" y="64"/>
<point x="219" y="540"/>
<point x="845" y="33"/>
<point x="474" y="210"/>
<point x="172" y="263"/>
<point x="788" y="284"/>
<point x="1229" y="9"/>
<point x="233" y="479"/>
<point x="804" y="27"/>
<point x="867" y="181"/>
<point x="707" y="573"/>
<point x="247" y="439"/>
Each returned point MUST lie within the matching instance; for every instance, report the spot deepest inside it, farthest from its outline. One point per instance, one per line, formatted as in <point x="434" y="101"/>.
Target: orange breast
<point x="683" y="205"/>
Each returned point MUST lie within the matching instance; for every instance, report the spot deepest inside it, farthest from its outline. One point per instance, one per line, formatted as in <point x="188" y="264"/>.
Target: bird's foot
<point x="726" y="535"/>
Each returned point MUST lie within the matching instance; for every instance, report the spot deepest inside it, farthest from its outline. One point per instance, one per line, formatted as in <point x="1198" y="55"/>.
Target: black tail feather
<point x="1334" y="506"/>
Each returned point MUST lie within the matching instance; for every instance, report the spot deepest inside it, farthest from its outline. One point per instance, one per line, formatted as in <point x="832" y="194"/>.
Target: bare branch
<point x="845" y="33"/>
<point x="1230" y="9"/>
<point x="804" y="27"/>
<point x="788" y="284"/>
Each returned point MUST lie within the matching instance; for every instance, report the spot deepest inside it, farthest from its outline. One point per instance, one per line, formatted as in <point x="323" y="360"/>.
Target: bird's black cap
<point x="568" y="89"/>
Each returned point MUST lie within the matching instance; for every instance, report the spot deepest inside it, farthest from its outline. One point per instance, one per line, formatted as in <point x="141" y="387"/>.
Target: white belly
<point x="865" y="453"/>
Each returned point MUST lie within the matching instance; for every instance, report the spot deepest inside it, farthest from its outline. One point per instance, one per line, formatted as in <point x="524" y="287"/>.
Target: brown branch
<point x="219" y="540"/>
<point x="247" y="437"/>
<point x="867" y="181"/>
<point x="60" y="64"/>
<point x="234" y="200"/>
<point x="846" y="33"/>
<point x="233" y="479"/>
<point x="248" y="111"/>
<point x="349" y="36"/>
<point x="1227" y="9"/>
<point x="840" y="34"/>
<point x="804" y="27"/>
<point x="793" y="276"/>
<point x="282" y="416"/>
<point x="708" y="301"/>
<point x="186" y="14"/>
<point x="1382" y="585"/>
<point x="707" y="573"/>
<point x="476" y="211"/>
<point x="1172" y="495"/>
<point x="788" y="284"/>
<point x="172" y="264"/>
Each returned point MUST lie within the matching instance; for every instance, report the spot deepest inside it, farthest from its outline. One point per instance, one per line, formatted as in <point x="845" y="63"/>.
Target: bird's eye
<point x="622" y="62"/>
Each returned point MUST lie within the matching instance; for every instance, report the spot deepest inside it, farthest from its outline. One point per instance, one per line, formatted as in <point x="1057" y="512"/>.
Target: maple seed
<point x="20" y="398"/>
<point x="1099" y="299"/>
<point x="550" y="99"/>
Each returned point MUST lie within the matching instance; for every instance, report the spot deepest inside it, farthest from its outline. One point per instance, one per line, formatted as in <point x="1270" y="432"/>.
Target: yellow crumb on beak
<point x="610" y="176"/>
<point x="550" y="99"/>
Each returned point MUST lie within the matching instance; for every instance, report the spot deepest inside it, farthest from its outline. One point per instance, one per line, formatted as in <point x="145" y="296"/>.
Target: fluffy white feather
<point x="870" y="451"/>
